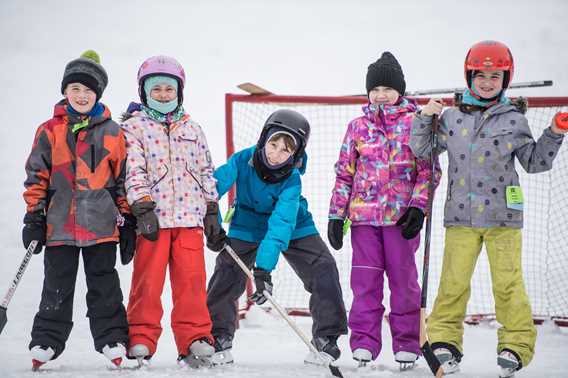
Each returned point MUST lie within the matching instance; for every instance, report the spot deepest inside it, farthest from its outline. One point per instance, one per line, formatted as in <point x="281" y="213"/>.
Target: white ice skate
<point x="223" y="355"/>
<point x="362" y="356"/>
<point x="115" y="352"/>
<point x="327" y="351"/>
<point x="407" y="360"/>
<point x="508" y="363"/>
<point x="40" y="355"/>
<point x="321" y="358"/>
<point x="447" y="360"/>
<point x="200" y="353"/>
<point x="141" y="353"/>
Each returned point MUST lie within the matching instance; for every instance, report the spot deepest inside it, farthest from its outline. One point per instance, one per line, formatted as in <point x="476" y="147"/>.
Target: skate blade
<point x="196" y="362"/>
<point x="404" y="366"/>
<point x="362" y="364"/>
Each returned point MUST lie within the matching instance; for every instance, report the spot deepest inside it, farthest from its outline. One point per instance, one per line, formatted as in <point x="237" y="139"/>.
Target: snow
<point x="289" y="47"/>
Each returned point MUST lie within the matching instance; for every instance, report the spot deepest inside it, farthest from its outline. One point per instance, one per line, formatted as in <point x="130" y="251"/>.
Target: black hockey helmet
<point x="293" y="123"/>
<point x="290" y="121"/>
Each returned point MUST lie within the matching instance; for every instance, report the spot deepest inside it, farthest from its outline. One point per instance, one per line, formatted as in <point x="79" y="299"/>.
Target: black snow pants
<point x="313" y="263"/>
<point x="105" y="310"/>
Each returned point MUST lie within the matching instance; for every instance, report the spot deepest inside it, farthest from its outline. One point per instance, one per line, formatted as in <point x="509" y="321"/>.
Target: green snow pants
<point x="512" y="307"/>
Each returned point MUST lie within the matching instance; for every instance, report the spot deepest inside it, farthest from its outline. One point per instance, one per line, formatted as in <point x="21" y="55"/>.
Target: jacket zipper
<point x="92" y="158"/>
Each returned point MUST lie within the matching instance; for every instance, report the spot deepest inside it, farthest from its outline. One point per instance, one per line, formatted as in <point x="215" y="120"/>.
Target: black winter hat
<point x="88" y="71"/>
<point x="386" y="72"/>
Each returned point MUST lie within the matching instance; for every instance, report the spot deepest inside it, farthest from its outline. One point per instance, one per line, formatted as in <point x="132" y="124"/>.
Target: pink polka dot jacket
<point x="172" y="165"/>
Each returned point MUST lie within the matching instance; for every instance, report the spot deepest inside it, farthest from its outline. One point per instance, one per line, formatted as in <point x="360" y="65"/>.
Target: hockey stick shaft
<point x="334" y="370"/>
<point x="14" y="284"/>
<point x="527" y="84"/>
<point x="425" y="347"/>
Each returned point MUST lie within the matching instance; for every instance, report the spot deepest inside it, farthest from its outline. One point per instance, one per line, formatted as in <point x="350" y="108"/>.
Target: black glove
<point x="217" y="242"/>
<point x="146" y="219"/>
<point x="411" y="222"/>
<point x="262" y="281"/>
<point x="127" y="238"/>
<point x="35" y="228"/>
<point x="335" y="233"/>
<point x="211" y="224"/>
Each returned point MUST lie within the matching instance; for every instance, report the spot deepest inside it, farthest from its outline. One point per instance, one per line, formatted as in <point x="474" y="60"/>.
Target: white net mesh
<point x="545" y="234"/>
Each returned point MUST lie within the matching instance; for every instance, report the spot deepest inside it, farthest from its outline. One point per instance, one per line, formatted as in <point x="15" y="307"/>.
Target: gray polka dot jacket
<point x="481" y="151"/>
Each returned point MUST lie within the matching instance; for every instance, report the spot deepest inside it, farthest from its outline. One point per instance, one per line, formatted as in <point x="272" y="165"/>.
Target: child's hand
<point x="262" y="281"/>
<point x="335" y="233"/>
<point x="434" y="106"/>
<point x="560" y="123"/>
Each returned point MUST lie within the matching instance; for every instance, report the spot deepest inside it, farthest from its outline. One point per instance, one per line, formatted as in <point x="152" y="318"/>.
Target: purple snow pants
<point x="377" y="250"/>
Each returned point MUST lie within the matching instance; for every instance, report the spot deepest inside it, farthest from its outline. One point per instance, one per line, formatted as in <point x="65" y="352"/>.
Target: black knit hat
<point x="386" y="72"/>
<point x="88" y="71"/>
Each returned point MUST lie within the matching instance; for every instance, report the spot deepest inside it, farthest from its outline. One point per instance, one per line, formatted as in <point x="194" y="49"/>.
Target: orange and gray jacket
<point x="77" y="178"/>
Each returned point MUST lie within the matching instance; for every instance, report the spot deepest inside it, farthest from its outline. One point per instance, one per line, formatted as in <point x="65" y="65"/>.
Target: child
<point x="75" y="195"/>
<point x="271" y="217"/>
<point x="383" y="189"/>
<point x="482" y="137"/>
<point x="170" y="188"/>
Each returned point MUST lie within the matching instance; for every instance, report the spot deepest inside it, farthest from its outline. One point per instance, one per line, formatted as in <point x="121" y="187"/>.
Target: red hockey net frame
<point x="232" y="100"/>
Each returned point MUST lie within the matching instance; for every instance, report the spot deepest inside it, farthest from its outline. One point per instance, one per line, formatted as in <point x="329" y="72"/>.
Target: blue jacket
<point x="272" y="214"/>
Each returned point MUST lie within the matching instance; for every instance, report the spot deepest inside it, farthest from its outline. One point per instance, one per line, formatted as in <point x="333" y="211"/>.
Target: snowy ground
<point x="290" y="47"/>
<point x="266" y="347"/>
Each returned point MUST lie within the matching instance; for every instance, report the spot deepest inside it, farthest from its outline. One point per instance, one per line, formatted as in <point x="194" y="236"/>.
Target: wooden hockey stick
<point x="334" y="369"/>
<point x="425" y="347"/>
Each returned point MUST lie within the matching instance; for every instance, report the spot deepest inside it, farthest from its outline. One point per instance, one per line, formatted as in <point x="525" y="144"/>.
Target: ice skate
<point x="328" y="351"/>
<point x="362" y="356"/>
<point x="407" y="360"/>
<point x="448" y="361"/>
<point x="115" y="352"/>
<point x="141" y="353"/>
<point x="40" y="355"/>
<point x="508" y="362"/>
<point x="223" y="355"/>
<point x="199" y="354"/>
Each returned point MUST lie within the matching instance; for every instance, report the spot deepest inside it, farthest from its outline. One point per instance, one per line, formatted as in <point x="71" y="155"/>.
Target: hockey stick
<point x="527" y="84"/>
<point x="425" y="347"/>
<point x="334" y="369"/>
<point x="14" y="285"/>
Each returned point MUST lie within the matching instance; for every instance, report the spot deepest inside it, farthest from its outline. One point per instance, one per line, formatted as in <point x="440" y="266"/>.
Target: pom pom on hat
<point x="92" y="54"/>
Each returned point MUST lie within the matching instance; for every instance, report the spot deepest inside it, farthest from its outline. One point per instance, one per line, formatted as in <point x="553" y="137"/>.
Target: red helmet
<point x="489" y="55"/>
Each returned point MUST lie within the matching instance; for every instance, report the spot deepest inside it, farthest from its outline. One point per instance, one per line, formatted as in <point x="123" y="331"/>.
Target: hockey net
<point x="545" y="233"/>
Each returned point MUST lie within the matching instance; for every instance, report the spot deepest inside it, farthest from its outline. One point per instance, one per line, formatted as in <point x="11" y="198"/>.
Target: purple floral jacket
<point x="377" y="175"/>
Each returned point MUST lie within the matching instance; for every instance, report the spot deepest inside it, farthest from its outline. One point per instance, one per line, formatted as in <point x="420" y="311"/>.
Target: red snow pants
<point x="182" y="250"/>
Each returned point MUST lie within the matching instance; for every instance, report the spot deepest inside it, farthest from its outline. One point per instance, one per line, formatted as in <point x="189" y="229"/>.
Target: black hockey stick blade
<point x="3" y="318"/>
<point x="335" y="371"/>
<point x="427" y="352"/>
<point x="431" y="360"/>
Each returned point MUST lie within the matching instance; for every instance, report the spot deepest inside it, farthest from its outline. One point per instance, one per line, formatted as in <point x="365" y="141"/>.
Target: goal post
<point x="545" y="232"/>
